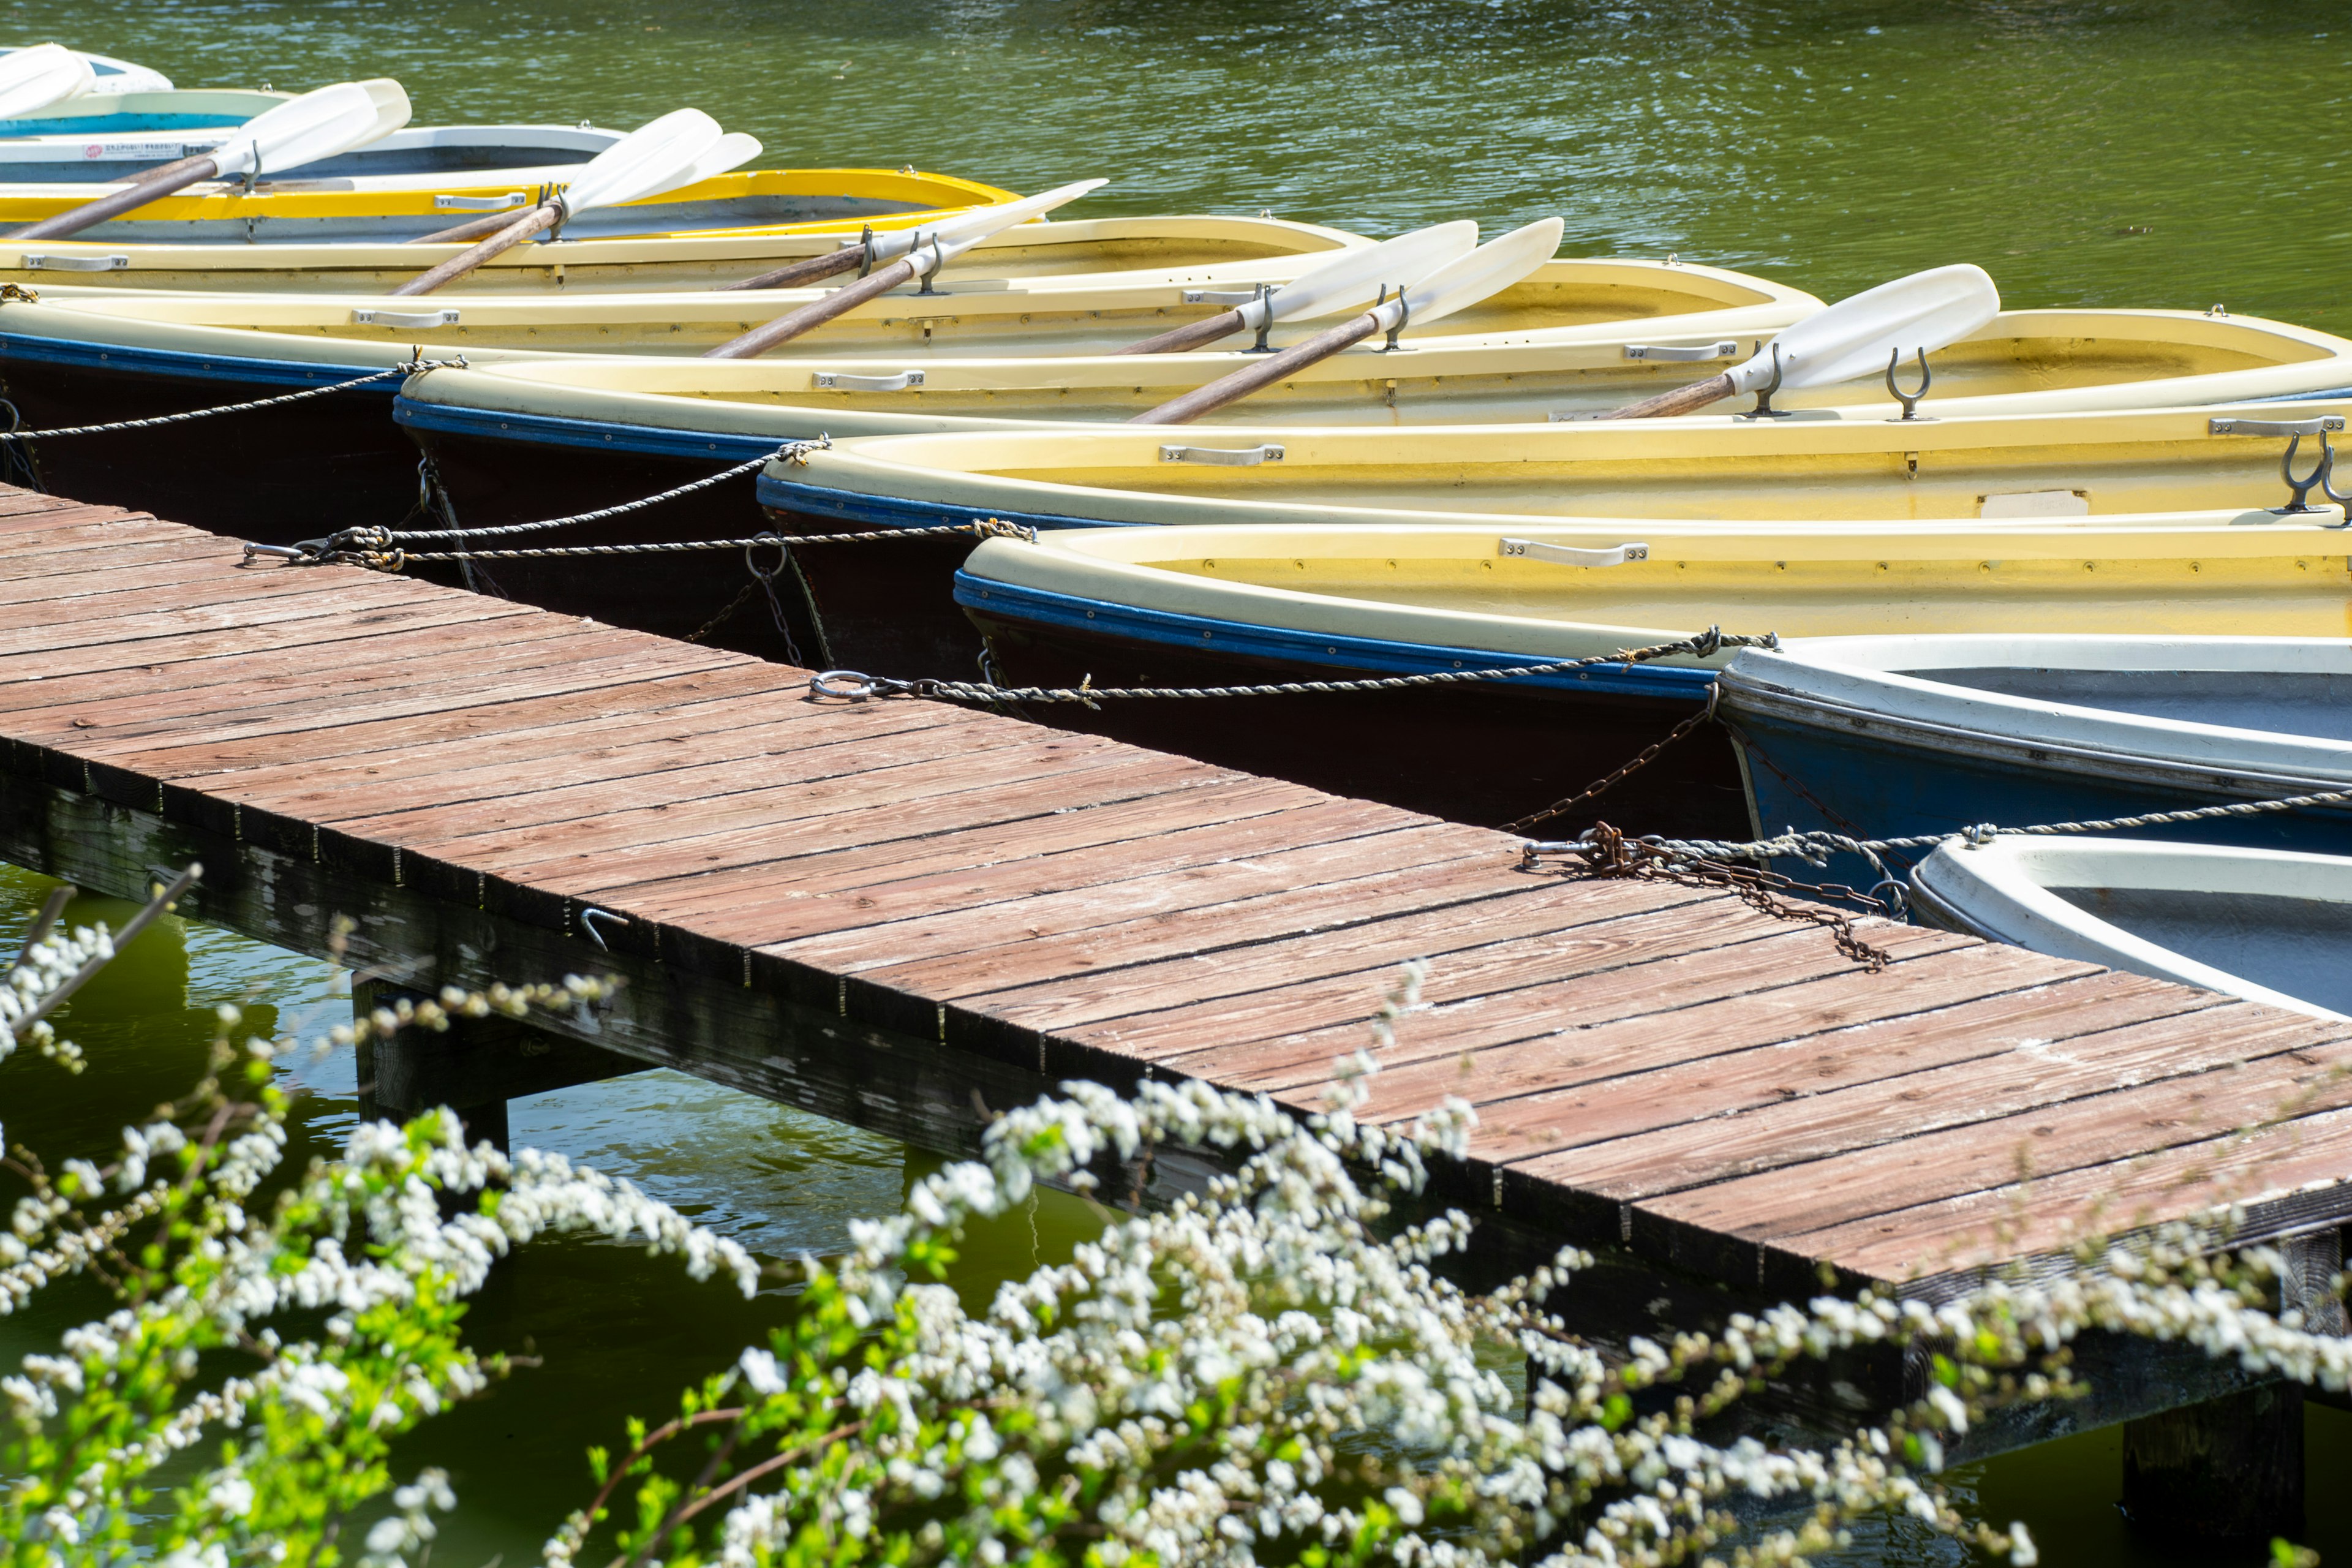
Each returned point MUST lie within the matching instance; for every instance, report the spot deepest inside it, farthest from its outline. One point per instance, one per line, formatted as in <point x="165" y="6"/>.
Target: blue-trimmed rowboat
<point x="1896" y="736"/>
<point x="1943" y="487"/>
<point x="1246" y="604"/>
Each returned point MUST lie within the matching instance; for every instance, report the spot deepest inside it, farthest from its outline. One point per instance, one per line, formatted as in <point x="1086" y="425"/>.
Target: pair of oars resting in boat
<point x="1923" y="312"/>
<point x="320" y="124"/>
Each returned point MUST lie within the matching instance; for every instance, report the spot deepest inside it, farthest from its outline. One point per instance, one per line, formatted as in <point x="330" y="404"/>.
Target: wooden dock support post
<point x="474" y="1068"/>
<point x="2230" y="1469"/>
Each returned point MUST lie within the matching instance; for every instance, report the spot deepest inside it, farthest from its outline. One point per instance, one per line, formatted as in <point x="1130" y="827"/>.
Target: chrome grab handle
<point x="478" y="204"/>
<point x="1217" y="296"/>
<point x="1568" y="556"/>
<point x="1684" y="355"/>
<point x="38" y="261"/>
<point x="2319" y="425"/>
<point x="1226" y="457"/>
<point x="841" y="381"/>
<point x="374" y="318"/>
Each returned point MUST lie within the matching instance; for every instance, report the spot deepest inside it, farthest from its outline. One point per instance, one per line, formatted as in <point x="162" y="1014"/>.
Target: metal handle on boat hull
<point x="1703" y="352"/>
<point x="842" y="382"/>
<point x="2324" y="423"/>
<point x="1226" y="457"/>
<point x="1217" y="296"/>
<point x="1568" y="556"/>
<point x="369" y="318"/>
<point x="38" y="261"/>
<point x="478" y="204"/>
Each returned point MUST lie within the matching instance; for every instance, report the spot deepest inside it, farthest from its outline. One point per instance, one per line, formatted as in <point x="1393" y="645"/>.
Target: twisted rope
<point x="853" y="686"/>
<point x="404" y="370"/>
<point x="979" y="528"/>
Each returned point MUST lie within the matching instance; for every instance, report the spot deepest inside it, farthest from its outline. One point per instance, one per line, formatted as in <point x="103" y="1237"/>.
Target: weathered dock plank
<point x="884" y="910"/>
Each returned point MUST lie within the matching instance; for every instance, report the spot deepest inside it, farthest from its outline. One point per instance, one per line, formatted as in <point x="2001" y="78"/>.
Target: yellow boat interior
<point x="1036" y="314"/>
<point x="1730" y="473"/>
<point x="2026" y="361"/>
<point x="1574" y="588"/>
<point x="665" y="257"/>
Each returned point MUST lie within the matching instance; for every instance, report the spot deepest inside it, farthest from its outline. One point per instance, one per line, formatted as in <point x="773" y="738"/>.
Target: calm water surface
<point x="2101" y="154"/>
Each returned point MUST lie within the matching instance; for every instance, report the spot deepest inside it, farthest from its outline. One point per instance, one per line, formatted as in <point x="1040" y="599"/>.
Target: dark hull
<point x="887" y="607"/>
<point x="272" y="476"/>
<point x="491" y="478"/>
<point x="1485" y="753"/>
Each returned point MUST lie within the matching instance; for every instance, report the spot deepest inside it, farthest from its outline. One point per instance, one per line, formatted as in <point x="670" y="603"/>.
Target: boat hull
<point x="1832" y="776"/>
<point x="1487" y="753"/>
<point x="490" y="476"/>
<point x="272" y="475"/>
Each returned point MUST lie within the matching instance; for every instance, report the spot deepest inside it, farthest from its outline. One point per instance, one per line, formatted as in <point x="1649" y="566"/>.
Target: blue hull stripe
<point x="889" y="511"/>
<point x="1319" y="650"/>
<point x="184" y="367"/>
<point x="552" y="430"/>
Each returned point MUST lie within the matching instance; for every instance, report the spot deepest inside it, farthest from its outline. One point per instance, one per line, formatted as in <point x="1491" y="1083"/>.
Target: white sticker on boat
<point x="2036" y="504"/>
<point x="1568" y="556"/>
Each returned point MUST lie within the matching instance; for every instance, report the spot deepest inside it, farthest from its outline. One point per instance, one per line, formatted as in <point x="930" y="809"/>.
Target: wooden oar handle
<point x="807" y="270"/>
<point x="1681" y="400"/>
<point x="816" y="312"/>
<point x="159" y="183"/>
<point x="1190" y="336"/>
<point x="516" y="231"/>
<point x="1266" y="372"/>
<point x="472" y="228"/>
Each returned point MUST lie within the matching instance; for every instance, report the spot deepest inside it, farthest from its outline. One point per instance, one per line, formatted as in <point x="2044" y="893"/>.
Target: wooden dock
<point x="900" y="912"/>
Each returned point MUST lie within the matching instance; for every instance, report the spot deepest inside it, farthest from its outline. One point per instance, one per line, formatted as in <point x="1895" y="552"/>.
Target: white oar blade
<point x="1853" y="338"/>
<point x="732" y="151"/>
<point x="967" y="229"/>
<point x="1488" y="270"/>
<point x="1354" y="276"/>
<point x="316" y="125"/>
<point x="645" y="162"/>
<point x="33" y="79"/>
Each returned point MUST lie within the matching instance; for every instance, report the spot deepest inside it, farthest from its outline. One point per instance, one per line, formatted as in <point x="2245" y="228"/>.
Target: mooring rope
<point x="853" y="686"/>
<point x="978" y="528"/>
<point x="405" y="369"/>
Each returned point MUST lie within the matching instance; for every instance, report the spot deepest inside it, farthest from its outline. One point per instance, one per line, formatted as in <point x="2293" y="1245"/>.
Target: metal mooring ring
<point x="848" y="685"/>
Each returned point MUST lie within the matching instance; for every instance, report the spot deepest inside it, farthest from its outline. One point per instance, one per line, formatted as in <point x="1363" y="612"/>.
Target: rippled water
<point x="2151" y="155"/>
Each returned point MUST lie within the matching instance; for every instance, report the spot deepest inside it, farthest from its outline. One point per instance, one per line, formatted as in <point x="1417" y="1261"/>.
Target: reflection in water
<point x="2151" y="153"/>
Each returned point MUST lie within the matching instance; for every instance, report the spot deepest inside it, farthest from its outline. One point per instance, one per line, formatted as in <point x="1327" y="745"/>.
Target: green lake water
<point x="2118" y="154"/>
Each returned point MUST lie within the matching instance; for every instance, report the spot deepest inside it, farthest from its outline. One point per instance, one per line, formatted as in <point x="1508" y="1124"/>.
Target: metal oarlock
<point x="866" y="251"/>
<point x="1266" y="322"/>
<point x="938" y="261"/>
<point x="1910" y="400"/>
<point x="1405" y="316"/>
<point x="1764" y="409"/>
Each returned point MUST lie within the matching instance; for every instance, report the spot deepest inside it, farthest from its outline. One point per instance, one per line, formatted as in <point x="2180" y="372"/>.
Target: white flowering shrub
<point x="1272" y="1369"/>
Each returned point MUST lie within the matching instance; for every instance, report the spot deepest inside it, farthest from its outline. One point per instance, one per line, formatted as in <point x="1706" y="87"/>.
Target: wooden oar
<point x="1488" y="270"/>
<point x="676" y="150"/>
<point x="928" y="250"/>
<point x="316" y="125"/>
<point x="1923" y="312"/>
<point x="1351" y="277"/>
<point x="32" y="79"/>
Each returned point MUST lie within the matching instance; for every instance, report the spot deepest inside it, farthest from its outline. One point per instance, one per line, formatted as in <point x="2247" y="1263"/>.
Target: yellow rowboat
<point x="1542" y="351"/>
<point x="98" y="355"/>
<point x="890" y="610"/>
<point x="780" y="215"/>
<point x="1316" y="602"/>
<point x="206" y="224"/>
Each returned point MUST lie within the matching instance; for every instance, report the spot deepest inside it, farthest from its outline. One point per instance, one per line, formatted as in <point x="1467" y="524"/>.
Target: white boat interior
<point x="2267" y="925"/>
